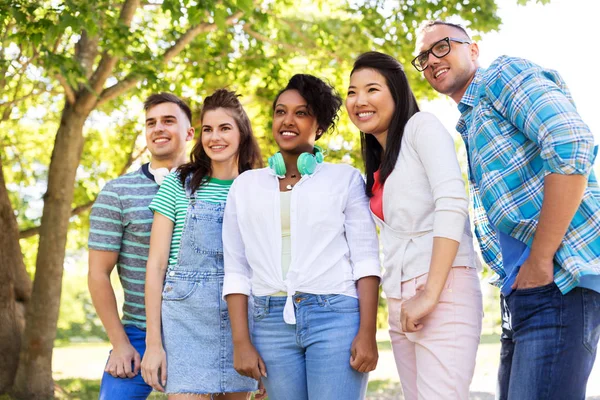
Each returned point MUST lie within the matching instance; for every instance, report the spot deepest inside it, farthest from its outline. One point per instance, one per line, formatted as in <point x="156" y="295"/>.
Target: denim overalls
<point x="195" y="321"/>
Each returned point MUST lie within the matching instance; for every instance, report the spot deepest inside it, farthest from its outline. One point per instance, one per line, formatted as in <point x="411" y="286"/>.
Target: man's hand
<point x="363" y="352"/>
<point x="247" y="361"/>
<point x="120" y="359"/>
<point x="415" y="309"/>
<point x="534" y="273"/>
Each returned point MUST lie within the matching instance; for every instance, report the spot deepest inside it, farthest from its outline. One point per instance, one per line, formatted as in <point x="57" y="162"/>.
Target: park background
<point x="90" y="65"/>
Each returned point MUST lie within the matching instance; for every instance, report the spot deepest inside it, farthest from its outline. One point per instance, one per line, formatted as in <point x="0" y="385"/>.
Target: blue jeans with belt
<point x="309" y="360"/>
<point x="549" y="343"/>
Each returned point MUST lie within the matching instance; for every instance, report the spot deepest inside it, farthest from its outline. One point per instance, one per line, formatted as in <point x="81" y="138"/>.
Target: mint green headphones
<point x="307" y="162"/>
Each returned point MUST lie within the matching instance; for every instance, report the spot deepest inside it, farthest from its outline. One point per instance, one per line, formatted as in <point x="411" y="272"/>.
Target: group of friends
<point x="238" y="276"/>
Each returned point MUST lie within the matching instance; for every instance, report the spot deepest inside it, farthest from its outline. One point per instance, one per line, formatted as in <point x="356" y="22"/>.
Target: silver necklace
<point x="289" y="187"/>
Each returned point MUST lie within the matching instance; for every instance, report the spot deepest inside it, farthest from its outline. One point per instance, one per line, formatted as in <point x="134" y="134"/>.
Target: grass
<point x="80" y="388"/>
<point x="84" y="389"/>
<point x="88" y="389"/>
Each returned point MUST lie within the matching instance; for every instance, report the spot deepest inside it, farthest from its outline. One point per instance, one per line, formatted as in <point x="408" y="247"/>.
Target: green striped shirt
<point x="120" y="221"/>
<point x="172" y="202"/>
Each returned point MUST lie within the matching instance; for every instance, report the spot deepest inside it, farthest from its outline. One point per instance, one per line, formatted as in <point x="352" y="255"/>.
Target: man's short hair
<point x="425" y="25"/>
<point x="164" y="97"/>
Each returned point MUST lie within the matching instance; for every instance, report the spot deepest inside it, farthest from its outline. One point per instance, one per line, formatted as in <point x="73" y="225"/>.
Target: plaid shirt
<point x="519" y="124"/>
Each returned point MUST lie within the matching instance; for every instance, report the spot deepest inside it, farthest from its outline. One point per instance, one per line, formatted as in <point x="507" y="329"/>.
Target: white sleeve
<point x="237" y="271"/>
<point x="360" y="231"/>
<point x="436" y="150"/>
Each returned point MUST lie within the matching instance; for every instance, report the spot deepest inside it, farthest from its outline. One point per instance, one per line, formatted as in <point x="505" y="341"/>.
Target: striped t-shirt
<point x="120" y="221"/>
<point x="172" y="202"/>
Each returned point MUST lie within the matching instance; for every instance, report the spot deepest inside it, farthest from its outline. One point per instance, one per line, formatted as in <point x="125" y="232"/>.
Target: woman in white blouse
<point x="299" y="237"/>
<point x="418" y="199"/>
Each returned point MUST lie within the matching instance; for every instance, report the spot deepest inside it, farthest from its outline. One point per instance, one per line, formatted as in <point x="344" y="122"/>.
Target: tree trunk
<point x="11" y="259"/>
<point x="34" y="374"/>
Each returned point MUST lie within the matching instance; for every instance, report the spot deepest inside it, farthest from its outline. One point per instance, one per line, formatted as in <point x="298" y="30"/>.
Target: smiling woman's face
<point x="369" y="102"/>
<point x="294" y="125"/>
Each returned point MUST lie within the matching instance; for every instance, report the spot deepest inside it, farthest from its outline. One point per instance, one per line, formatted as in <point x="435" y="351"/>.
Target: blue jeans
<point x="112" y="388"/>
<point x="309" y="360"/>
<point x="549" y="342"/>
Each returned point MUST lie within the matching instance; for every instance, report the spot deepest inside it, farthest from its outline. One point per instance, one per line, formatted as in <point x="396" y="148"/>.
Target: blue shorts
<point x="112" y="388"/>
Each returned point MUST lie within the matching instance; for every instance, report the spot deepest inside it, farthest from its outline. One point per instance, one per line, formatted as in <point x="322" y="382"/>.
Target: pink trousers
<point x="437" y="362"/>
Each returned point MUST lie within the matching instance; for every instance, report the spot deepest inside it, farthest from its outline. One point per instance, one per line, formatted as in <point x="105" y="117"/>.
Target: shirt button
<point x="172" y="273"/>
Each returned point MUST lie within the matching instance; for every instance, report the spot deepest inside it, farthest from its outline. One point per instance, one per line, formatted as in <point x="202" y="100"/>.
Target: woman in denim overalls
<point x="192" y="354"/>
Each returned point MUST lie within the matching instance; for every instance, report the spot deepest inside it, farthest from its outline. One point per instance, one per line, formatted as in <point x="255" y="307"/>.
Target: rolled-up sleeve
<point x="237" y="271"/>
<point x="537" y="102"/>
<point x="360" y="231"/>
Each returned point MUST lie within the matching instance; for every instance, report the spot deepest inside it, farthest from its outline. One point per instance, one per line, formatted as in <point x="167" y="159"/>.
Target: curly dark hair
<point x="248" y="152"/>
<point x="322" y="99"/>
<point x="405" y="105"/>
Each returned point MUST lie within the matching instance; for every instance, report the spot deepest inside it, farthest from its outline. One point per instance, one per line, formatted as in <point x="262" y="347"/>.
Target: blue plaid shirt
<point x="519" y="124"/>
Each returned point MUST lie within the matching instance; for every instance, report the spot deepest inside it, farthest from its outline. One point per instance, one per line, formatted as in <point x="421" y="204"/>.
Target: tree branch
<point x="69" y="92"/>
<point x="34" y="230"/>
<point x="132" y="79"/>
<point x="262" y="38"/>
<point x="9" y="105"/>
<point x="108" y="61"/>
<point x="117" y="89"/>
<point x="187" y="37"/>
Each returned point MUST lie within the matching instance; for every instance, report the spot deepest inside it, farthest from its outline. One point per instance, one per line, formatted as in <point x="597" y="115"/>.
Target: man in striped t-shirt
<point x="120" y="224"/>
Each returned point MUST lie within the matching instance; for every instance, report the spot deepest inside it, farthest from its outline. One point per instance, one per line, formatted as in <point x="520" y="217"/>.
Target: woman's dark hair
<point x="248" y="153"/>
<point x="405" y="106"/>
<point x="322" y="101"/>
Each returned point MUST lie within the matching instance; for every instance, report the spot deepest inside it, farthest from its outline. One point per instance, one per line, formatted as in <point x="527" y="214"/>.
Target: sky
<point x="558" y="36"/>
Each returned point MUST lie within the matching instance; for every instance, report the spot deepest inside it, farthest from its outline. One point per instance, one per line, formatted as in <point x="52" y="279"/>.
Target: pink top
<point x="376" y="202"/>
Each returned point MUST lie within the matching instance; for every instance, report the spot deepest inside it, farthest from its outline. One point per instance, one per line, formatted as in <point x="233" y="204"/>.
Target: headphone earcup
<point x="307" y="164"/>
<point x="319" y="154"/>
<point x="277" y="164"/>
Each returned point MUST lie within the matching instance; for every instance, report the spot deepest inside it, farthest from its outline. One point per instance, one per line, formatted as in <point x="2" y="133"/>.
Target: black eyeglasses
<point x="440" y="49"/>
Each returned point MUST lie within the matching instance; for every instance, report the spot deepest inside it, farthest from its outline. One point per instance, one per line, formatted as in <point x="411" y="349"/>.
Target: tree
<point x="92" y="58"/>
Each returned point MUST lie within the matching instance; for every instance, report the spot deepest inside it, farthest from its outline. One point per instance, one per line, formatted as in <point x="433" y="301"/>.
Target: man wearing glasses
<point x="537" y="206"/>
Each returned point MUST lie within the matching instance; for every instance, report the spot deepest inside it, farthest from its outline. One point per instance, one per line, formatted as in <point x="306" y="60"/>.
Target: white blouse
<point x="334" y="241"/>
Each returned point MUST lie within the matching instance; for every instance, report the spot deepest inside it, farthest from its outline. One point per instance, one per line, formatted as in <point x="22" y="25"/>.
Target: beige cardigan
<point x="424" y="197"/>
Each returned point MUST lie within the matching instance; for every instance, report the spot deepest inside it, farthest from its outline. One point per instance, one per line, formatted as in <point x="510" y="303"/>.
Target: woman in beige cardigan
<point x="418" y="199"/>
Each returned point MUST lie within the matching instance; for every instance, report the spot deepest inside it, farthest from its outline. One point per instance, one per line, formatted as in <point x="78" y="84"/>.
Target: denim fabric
<point x="135" y="388"/>
<point x="549" y="342"/>
<point x="195" y="321"/>
<point x="309" y="360"/>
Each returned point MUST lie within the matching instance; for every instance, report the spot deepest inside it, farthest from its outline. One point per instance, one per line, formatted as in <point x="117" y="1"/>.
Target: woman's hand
<point x="261" y="394"/>
<point x="153" y="363"/>
<point x="247" y="361"/>
<point x="415" y="309"/>
<point x="363" y="352"/>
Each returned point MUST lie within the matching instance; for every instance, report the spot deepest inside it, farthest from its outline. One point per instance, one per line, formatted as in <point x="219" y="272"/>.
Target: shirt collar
<point x="468" y="101"/>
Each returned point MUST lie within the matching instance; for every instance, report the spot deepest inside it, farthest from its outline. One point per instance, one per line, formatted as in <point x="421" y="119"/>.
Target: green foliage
<point x="77" y="319"/>
<point x="50" y="48"/>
